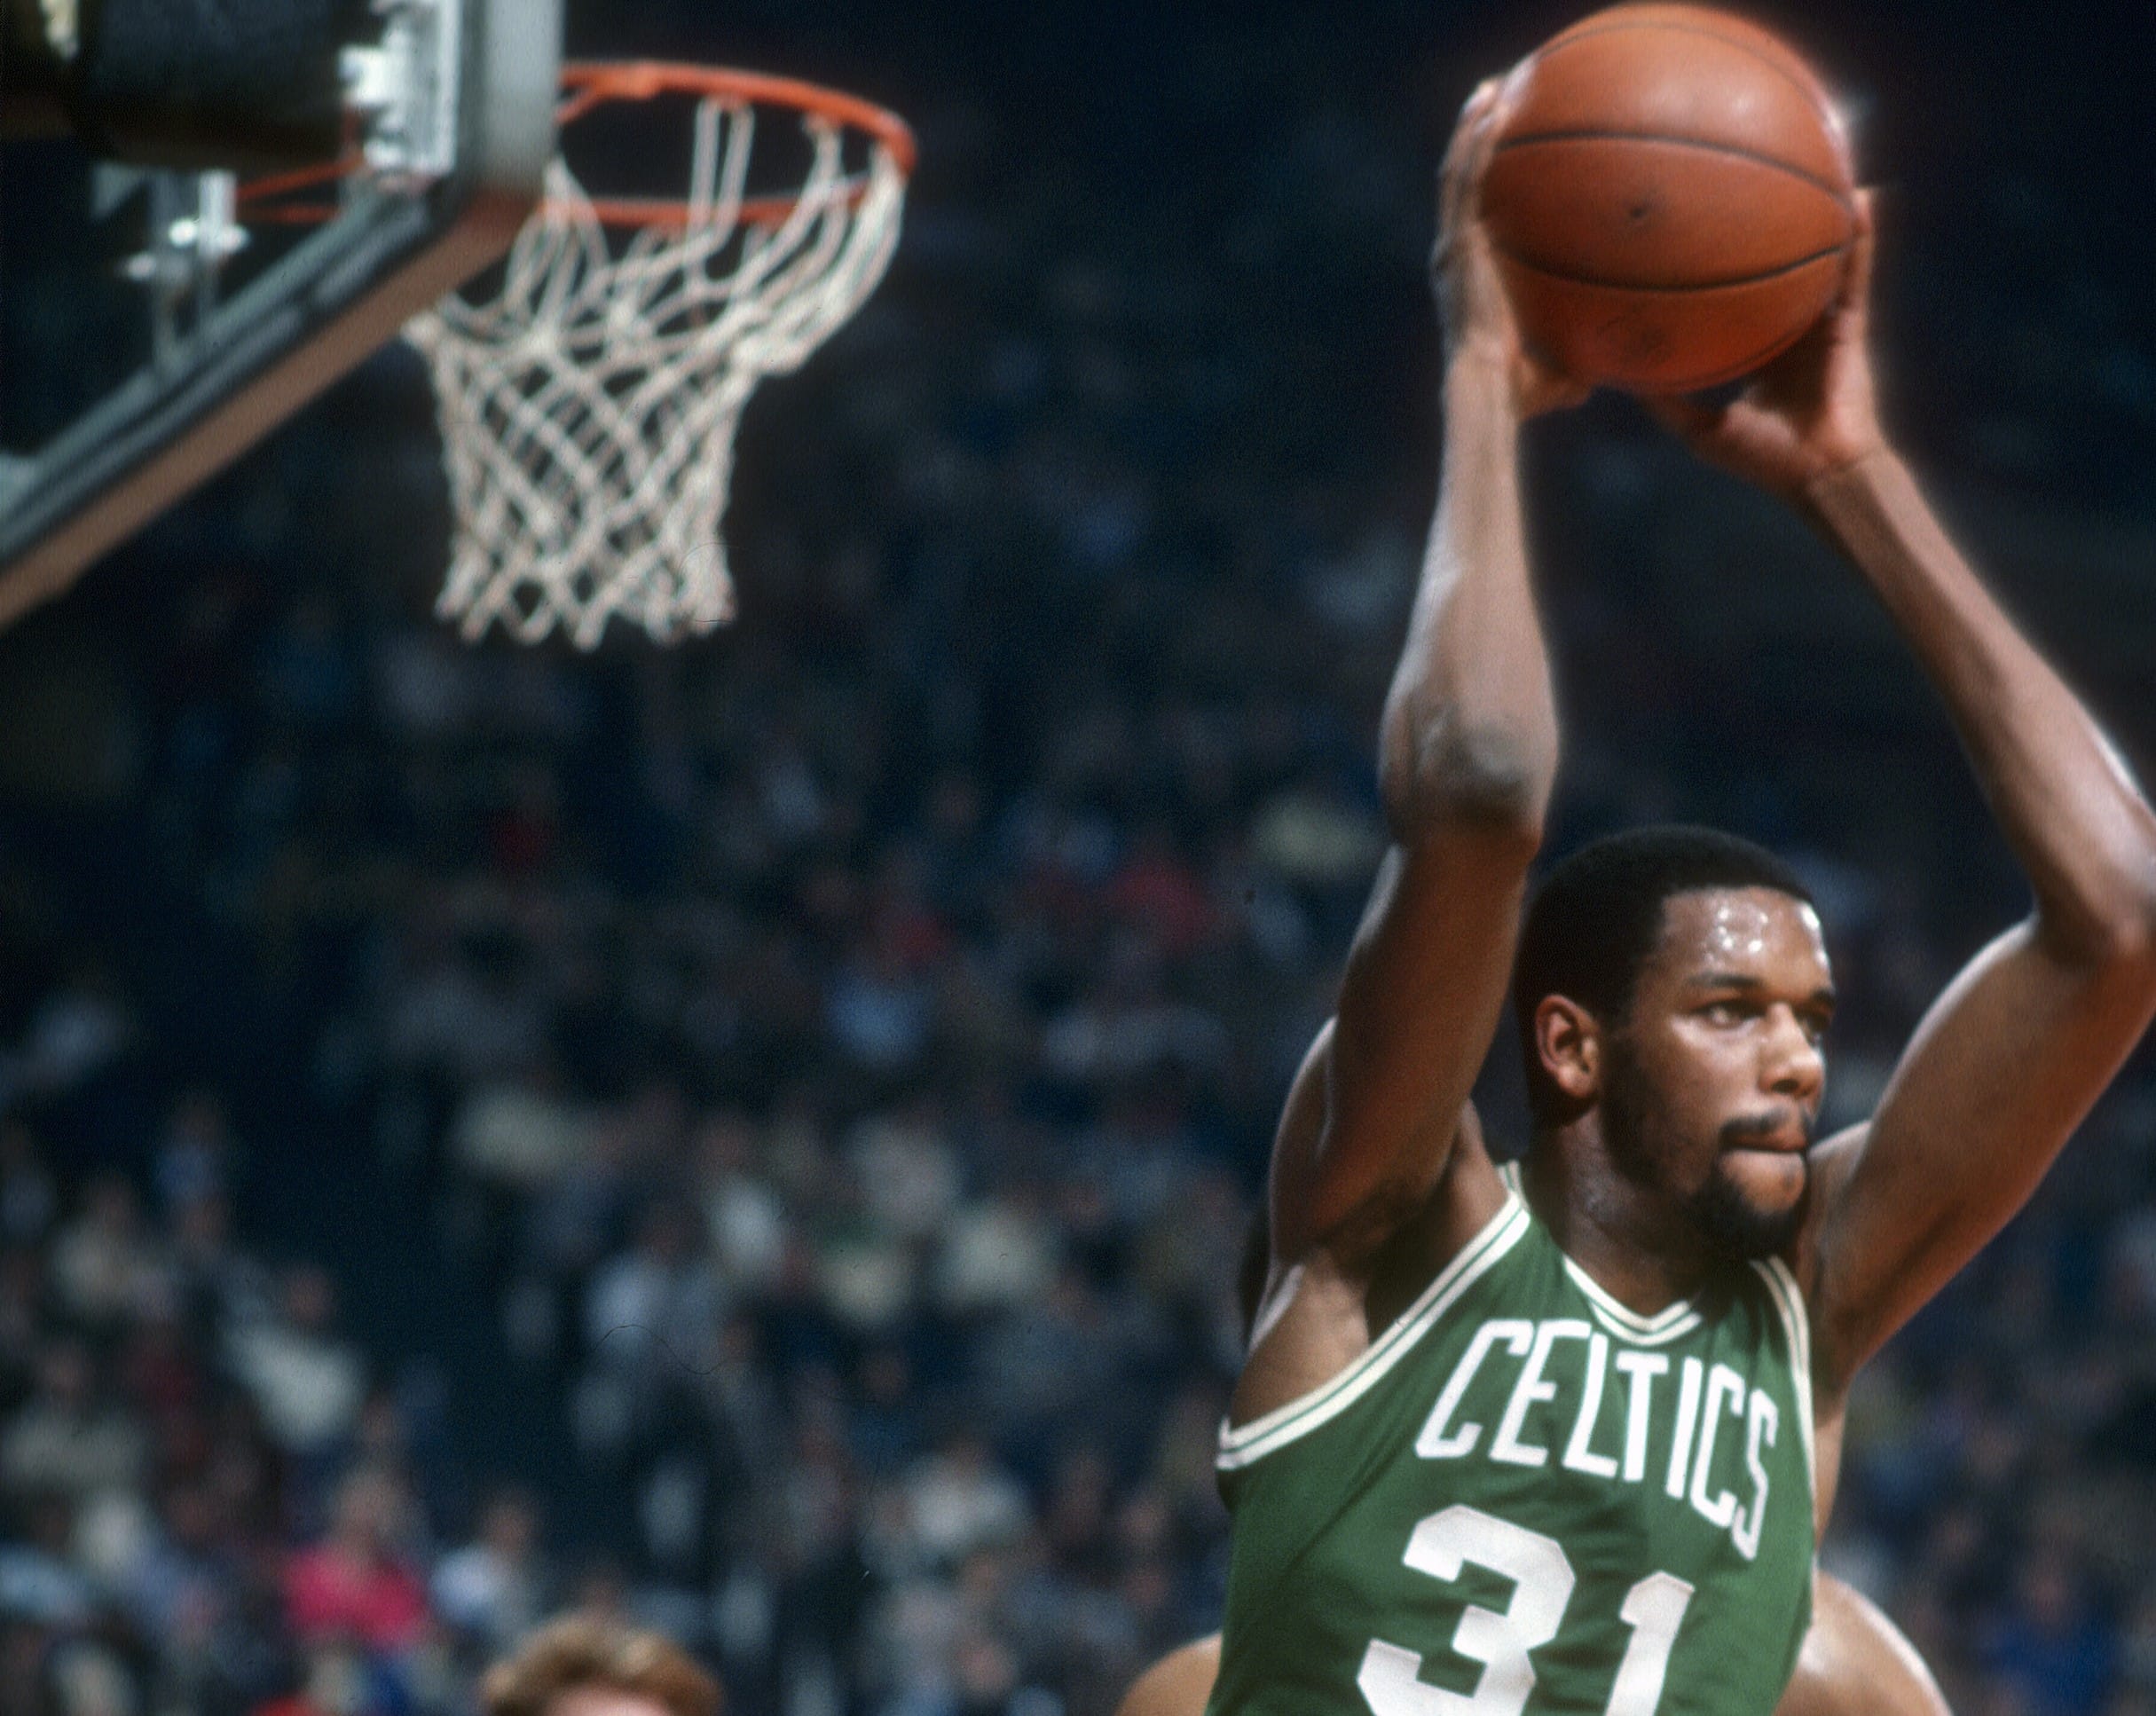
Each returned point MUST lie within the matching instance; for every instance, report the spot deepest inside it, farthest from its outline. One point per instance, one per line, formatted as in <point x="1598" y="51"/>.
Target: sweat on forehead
<point x="1736" y="928"/>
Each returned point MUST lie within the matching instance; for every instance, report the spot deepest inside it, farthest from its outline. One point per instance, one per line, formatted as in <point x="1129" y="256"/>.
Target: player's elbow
<point x="2114" y="933"/>
<point x="1487" y="780"/>
<point x="2116" y="901"/>
<point x="2127" y="946"/>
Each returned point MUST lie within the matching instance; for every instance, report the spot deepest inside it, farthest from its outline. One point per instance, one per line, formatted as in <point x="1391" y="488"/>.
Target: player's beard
<point x="1719" y="1214"/>
<point x="1737" y="1227"/>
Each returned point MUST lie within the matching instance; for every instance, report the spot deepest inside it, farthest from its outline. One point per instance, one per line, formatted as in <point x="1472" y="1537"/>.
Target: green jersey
<point x="1526" y="1499"/>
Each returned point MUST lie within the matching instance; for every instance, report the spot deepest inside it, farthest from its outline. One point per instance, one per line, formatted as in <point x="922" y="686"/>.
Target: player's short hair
<point x="583" y="1651"/>
<point x="1597" y="917"/>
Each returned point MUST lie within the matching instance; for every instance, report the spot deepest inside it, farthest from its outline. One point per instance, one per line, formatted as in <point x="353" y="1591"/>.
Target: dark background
<point x="892" y="996"/>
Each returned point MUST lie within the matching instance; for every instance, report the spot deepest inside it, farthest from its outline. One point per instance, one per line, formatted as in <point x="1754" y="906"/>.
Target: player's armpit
<point x="2003" y="1068"/>
<point x="1368" y="1128"/>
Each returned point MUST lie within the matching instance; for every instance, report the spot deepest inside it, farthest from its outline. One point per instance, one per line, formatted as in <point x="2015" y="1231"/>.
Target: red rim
<point x="593" y="82"/>
<point x="586" y="84"/>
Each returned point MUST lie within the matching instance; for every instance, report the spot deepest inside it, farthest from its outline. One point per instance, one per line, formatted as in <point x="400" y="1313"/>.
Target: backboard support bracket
<point x="239" y="369"/>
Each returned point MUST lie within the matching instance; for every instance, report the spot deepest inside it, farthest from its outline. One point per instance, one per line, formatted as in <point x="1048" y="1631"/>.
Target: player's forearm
<point x="1470" y="727"/>
<point x="2083" y="833"/>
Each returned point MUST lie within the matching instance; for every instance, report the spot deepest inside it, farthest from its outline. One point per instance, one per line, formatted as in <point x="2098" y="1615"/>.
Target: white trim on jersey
<point x="1671" y="1323"/>
<point x="1666" y="1325"/>
<point x="1797" y="1329"/>
<point x="1240" y="1446"/>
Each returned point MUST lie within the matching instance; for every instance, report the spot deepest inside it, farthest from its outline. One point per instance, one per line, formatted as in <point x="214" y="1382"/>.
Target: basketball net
<point x="588" y="411"/>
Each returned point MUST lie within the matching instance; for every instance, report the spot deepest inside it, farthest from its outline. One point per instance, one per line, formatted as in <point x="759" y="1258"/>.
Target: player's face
<point x="1713" y="1085"/>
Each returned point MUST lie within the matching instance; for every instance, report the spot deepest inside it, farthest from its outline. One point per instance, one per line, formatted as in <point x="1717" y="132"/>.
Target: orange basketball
<point x="1670" y="196"/>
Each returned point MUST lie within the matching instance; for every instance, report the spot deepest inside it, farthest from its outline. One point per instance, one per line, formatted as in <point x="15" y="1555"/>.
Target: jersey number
<point x="1391" y="1677"/>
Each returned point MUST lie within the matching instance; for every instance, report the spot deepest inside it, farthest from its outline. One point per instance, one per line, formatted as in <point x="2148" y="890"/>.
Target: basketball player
<point x="1559" y="1438"/>
<point x="584" y="1665"/>
<point x="1855" y="1662"/>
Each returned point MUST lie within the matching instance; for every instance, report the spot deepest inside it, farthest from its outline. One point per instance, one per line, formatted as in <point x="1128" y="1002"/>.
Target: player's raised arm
<point x="2011" y="1056"/>
<point x="1467" y="752"/>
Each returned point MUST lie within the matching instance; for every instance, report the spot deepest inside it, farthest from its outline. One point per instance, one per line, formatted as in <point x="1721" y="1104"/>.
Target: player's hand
<point x="1809" y="412"/>
<point x="1479" y="327"/>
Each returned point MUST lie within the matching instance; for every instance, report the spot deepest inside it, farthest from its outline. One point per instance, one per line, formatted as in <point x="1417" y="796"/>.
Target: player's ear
<point x="1568" y="1043"/>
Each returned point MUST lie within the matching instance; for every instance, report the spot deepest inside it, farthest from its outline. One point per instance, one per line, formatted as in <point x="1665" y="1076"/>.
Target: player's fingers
<point x="1488" y="104"/>
<point x="1454" y="176"/>
<point x="1479" y="102"/>
<point x="1463" y="128"/>
<point x="1856" y="279"/>
<point x="1686" y="418"/>
<point x="1559" y="393"/>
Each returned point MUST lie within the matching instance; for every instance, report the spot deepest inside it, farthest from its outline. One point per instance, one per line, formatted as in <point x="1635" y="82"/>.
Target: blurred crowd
<point x="759" y="1137"/>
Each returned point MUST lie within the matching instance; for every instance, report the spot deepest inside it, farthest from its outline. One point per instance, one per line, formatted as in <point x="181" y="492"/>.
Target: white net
<point x="588" y="412"/>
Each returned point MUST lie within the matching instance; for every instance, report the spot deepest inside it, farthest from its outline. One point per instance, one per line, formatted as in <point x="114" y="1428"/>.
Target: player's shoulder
<point x="1322" y="1309"/>
<point x="1856" y="1660"/>
<point x="1178" y="1685"/>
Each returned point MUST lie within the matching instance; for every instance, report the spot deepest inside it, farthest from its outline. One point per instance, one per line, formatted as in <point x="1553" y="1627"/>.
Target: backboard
<point x="453" y="103"/>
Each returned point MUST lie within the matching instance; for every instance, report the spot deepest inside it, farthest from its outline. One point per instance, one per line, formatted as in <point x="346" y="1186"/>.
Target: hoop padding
<point x="588" y="412"/>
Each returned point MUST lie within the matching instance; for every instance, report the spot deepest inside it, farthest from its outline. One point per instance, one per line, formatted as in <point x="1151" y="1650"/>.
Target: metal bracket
<point x="406" y="89"/>
<point x="193" y="234"/>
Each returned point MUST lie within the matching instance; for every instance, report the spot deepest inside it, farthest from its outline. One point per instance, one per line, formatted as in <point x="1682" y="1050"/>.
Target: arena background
<point x="758" y="1136"/>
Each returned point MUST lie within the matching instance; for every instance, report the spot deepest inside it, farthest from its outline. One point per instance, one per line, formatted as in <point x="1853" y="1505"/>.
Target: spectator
<point x="77" y="1032"/>
<point x="103" y="1262"/>
<point x="68" y="1439"/>
<point x="656" y="1302"/>
<point x="39" y="1580"/>
<point x="2053" y="1650"/>
<point x="198" y="1157"/>
<point x="356" y="1582"/>
<point x="189" y="1582"/>
<point x="519" y="1135"/>
<point x="494" y="1588"/>
<point x="338" y="1680"/>
<point x="214" y="1283"/>
<point x="308" y="1381"/>
<point x="959" y="1500"/>
<point x="744" y="1216"/>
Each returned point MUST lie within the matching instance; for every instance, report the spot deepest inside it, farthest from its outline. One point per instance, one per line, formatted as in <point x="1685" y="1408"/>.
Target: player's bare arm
<point x="1467" y="754"/>
<point x="1856" y="1660"/>
<point x="2011" y="1056"/>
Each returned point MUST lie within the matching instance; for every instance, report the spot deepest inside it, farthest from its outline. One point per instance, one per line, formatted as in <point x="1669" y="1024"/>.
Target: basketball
<point x="1670" y="197"/>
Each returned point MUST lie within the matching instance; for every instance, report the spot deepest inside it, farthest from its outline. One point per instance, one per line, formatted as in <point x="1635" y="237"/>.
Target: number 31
<point x="1390" y="1676"/>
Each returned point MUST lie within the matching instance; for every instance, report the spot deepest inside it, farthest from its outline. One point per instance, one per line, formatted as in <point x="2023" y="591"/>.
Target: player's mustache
<point x="1748" y="1130"/>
